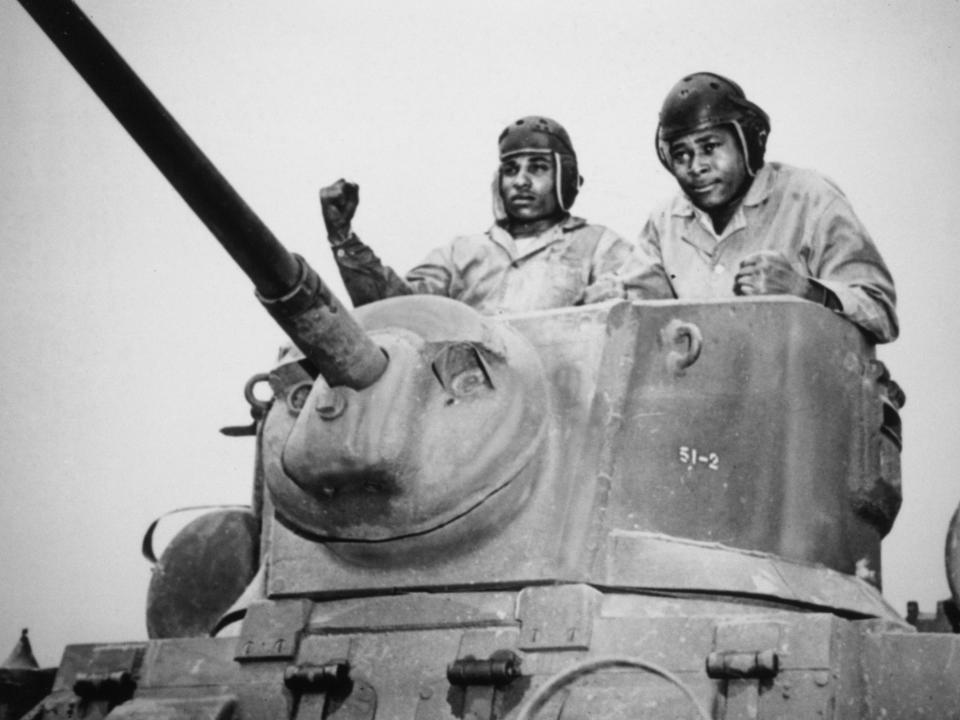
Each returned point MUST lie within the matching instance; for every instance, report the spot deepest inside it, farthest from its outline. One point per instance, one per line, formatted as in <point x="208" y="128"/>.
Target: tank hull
<point x="426" y="656"/>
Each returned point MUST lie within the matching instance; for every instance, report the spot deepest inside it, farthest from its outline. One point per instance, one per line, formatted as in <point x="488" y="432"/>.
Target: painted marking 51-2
<point x="691" y="457"/>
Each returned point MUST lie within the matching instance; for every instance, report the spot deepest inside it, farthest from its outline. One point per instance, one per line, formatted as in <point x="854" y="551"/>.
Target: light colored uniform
<point x="796" y="212"/>
<point x="570" y="263"/>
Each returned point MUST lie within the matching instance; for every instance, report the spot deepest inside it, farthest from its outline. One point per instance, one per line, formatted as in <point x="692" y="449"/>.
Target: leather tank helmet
<point x="542" y="136"/>
<point x="704" y="100"/>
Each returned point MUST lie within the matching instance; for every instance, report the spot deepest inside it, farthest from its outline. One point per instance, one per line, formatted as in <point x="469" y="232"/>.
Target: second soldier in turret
<point x="535" y="256"/>
<point x="743" y="226"/>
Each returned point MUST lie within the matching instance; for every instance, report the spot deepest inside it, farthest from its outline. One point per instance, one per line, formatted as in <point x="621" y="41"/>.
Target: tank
<point x="663" y="509"/>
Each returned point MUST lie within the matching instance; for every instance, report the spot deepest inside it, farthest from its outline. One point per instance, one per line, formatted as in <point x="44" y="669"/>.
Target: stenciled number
<point x="691" y="457"/>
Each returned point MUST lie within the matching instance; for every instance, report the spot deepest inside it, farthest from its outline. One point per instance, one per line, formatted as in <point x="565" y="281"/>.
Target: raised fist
<point x="339" y="203"/>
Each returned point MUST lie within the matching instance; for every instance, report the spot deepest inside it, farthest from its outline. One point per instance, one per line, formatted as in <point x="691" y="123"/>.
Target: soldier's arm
<point x="644" y="275"/>
<point x="619" y="271"/>
<point x="365" y="277"/>
<point x="848" y="264"/>
<point x="437" y="274"/>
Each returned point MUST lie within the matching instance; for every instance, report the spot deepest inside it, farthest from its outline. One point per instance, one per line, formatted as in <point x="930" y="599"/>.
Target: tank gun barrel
<point x="290" y="290"/>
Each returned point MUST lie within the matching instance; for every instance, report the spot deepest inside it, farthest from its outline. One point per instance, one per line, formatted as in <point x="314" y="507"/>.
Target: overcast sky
<point x="127" y="334"/>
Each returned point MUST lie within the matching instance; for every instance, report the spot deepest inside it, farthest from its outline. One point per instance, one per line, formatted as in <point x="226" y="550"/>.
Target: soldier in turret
<point x="535" y="256"/>
<point x="742" y="226"/>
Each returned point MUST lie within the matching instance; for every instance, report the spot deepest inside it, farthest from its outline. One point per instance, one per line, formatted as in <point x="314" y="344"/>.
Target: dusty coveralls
<point x="494" y="274"/>
<point x="797" y="212"/>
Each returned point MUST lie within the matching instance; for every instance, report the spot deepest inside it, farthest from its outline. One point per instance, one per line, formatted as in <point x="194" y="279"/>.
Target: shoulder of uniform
<point x="805" y="181"/>
<point x="459" y="245"/>
<point x="476" y="237"/>
<point x="677" y="204"/>
<point x="572" y="222"/>
<point x="584" y="225"/>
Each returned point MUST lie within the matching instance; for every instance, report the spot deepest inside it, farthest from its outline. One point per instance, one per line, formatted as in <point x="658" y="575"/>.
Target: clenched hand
<point x="769" y="273"/>
<point x="338" y="202"/>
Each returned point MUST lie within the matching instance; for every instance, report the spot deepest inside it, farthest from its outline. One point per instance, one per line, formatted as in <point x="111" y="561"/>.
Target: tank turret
<point x="625" y="510"/>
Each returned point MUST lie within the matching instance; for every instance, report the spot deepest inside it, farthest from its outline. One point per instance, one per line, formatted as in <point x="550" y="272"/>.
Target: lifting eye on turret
<point x="461" y="370"/>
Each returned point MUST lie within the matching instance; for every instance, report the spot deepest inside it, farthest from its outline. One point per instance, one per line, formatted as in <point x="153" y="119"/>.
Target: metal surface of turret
<point x="625" y="510"/>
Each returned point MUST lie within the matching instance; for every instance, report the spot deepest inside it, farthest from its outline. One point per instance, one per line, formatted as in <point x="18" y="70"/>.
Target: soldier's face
<point x="710" y="167"/>
<point x="527" y="186"/>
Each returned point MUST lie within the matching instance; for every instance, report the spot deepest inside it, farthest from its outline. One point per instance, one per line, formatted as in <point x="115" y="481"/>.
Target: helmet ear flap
<point x="661" y="146"/>
<point x="756" y="130"/>
<point x="499" y="211"/>
<point x="569" y="179"/>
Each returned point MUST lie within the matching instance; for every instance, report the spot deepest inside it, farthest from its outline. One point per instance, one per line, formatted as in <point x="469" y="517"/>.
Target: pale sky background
<point x="127" y="334"/>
